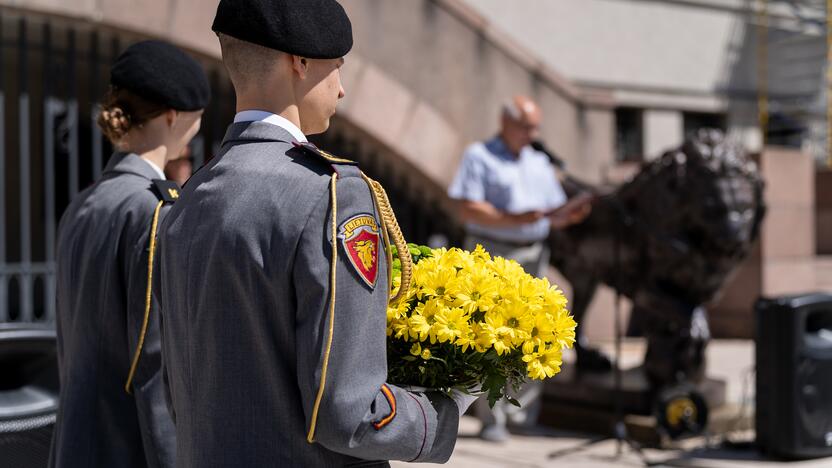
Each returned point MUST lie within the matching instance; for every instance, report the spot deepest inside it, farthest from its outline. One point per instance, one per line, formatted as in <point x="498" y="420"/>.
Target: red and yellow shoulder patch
<point x="360" y="238"/>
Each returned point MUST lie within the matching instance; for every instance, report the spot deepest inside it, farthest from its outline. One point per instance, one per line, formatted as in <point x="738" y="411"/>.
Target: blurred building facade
<point x="618" y="81"/>
<point x="676" y="65"/>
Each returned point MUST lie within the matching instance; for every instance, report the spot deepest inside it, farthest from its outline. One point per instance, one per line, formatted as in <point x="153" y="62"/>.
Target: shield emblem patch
<point x="360" y="238"/>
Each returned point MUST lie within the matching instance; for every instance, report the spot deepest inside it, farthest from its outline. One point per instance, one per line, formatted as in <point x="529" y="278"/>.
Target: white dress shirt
<point x="155" y="168"/>
<point x="268" y="117"/>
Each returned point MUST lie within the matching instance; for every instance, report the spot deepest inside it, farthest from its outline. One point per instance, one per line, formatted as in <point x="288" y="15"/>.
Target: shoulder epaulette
<point x="330" y="159"/>
<point x="166" y="190"/>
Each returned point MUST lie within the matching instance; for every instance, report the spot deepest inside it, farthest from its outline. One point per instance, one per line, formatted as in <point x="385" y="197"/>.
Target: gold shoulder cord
<point x="390" y="227"/>
<point x="147" y="299"/>
<point x="310" y="437"/>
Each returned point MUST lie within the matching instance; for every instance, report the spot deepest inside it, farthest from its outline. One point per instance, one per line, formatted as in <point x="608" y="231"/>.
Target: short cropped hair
<point x="245" y="62"/>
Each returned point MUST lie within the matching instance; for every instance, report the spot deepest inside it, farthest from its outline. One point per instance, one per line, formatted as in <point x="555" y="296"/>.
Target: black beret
<point x="162" y="73"/>
<point x="308" y="28"/>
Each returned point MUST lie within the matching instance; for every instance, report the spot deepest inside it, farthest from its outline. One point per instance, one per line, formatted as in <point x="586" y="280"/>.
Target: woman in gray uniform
<point x="112" y="410"/>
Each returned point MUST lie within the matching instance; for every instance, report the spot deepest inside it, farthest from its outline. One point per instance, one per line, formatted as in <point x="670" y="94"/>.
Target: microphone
<point x="538" y="145"/>
<point x="572" y="185"/>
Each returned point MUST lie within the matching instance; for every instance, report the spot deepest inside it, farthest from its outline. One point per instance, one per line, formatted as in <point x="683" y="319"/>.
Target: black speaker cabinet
<point x="794" y="376"/>
<point x="28" y="394"/>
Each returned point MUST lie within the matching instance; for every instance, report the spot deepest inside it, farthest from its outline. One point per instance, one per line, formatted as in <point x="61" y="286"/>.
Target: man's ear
<point x="300" y="65"/>
<point x="171" y="116"/>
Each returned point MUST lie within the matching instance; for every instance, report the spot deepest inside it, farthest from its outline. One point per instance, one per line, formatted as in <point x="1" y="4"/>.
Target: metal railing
<point x="52" y="73"/>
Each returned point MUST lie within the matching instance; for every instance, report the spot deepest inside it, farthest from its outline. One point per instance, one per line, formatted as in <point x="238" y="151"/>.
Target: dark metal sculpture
<point x="668" y="239"/>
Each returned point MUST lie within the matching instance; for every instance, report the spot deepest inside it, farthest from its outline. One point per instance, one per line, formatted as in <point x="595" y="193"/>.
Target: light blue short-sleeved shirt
<point x="490" y="173"/>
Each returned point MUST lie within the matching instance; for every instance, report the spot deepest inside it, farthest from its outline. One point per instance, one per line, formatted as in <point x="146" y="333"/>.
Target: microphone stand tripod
<point x="619" y="429"/>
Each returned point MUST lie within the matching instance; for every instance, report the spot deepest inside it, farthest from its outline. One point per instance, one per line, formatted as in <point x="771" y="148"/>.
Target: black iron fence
<point x="52" y="74"/>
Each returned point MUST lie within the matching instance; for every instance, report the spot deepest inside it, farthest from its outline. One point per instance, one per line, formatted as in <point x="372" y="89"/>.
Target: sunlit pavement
<point x="728" y="359"/>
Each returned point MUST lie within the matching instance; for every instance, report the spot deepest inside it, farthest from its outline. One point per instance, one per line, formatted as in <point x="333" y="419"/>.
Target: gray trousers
<point x="534" y="260"/>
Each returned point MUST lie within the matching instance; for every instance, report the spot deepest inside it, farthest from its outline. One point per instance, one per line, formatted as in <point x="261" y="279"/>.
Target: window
<point x="629" y="144"/>
<point x="785" y="130"/>
<point x="693" y="121"/>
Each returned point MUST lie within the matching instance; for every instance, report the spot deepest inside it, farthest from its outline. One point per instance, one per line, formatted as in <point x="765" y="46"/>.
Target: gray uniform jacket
<point x="101" y="287"/>
<point x="245" y="292"/>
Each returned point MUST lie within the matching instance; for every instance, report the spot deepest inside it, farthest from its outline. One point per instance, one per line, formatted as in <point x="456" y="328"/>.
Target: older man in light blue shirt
<point x="509" y="197"/>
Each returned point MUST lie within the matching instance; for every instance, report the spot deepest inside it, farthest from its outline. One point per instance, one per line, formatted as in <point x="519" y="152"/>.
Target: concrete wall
<point x="429" y="77"/>
<point x="663" y="130"/>
<point x="694" y="55"/>
<point x="425" y="78"/>
<point x="634" y="43"/>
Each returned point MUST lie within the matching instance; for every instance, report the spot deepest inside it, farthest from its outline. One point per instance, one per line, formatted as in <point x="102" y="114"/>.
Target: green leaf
<point x="513" y="401"/>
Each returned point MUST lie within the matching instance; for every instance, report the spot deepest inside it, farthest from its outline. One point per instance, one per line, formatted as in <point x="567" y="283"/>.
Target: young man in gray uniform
<point x="274" y="280"/>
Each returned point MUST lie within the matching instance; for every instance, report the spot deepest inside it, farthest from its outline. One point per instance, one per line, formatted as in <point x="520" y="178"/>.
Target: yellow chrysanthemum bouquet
<point x="474" y="323"/>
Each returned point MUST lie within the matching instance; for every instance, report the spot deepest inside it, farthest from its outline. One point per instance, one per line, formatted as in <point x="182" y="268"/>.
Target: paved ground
<point x="731" y="360"/>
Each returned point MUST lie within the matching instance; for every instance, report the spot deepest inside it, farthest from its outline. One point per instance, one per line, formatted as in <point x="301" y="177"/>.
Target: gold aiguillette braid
<point x="391" y="226"/>
<point x="128" y="386"/>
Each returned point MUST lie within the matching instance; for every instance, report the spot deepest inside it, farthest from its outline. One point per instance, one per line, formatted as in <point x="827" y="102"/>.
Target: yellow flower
<point x="423" y="319"/>
<point x="553" y="298"/>
<point x="400" y="328"/>
<point x="506" y="269"/>
<point x="422" y="269"/>
<point x="477" y="291"/>
<point x="480" y="254"/>
<point x="418" y="327"/>
<point x="437" y="283"/>
<point x="483" y="337"/>
<point x="466" y="340"/>
<point x="543" y="331"/>
<point x="457" y="259"/>
<point x="517" y="319"/>
<point x="398" y="311"/>
<point x="564" y="330"/>
<point x="527" y="288"/>
<point x="543" y="364"/>
<point x="450" y="324"/>
<point x="503" y="335"/>
<point x="473" y="301"/>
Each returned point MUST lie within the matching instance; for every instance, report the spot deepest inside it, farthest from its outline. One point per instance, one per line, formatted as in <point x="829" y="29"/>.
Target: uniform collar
<point x="131" y="163"/>
<point x="157" y="169"/>
<point x="270" y="118"/>
<point x="257" y="131"/>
